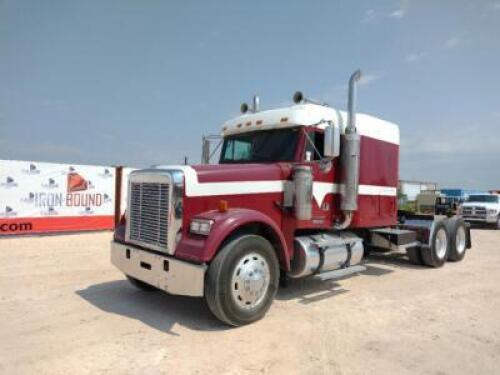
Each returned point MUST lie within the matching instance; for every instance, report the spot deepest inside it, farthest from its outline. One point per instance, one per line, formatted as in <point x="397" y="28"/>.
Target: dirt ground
<point x="65" y="310"/>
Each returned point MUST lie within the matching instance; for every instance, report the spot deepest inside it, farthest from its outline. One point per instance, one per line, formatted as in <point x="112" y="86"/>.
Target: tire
<point x="436" y="253"/>
<point x="234" y="267"/>
<point x="497" y="225"/>
<point x="141" y="285"/>
<point x="415" y="255"/>
<point x="458" y="239"/>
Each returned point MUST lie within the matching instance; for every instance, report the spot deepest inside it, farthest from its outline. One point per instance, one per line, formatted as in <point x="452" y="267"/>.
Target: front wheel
<point x="242" y="280"/>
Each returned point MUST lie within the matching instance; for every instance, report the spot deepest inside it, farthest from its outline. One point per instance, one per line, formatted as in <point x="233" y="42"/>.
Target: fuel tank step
<point x="337" y="274"/>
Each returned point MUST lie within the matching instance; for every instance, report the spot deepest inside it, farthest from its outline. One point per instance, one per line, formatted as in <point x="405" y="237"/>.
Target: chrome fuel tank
<point x="325" y="252"/>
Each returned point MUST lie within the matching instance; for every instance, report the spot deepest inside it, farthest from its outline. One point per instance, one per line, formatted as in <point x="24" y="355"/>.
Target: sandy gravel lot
<point x="65" y="310"/>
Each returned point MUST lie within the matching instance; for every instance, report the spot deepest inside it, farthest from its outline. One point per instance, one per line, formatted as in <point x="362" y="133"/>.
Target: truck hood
<point x="242" y="172"/>
<point x="230" y="179"/>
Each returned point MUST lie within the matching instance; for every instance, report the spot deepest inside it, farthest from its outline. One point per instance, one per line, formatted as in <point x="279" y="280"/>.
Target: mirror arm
<point x="311" y="142"/>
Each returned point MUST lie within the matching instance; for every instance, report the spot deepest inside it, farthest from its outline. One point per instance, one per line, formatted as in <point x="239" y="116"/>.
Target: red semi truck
<point x="305" y="190"/>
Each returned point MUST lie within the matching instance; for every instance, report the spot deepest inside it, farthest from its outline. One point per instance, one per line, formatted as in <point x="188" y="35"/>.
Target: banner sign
<point x="48" y="197"/>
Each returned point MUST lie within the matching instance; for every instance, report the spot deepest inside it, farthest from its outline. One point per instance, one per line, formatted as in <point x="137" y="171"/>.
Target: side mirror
<point x="332" y="141"/>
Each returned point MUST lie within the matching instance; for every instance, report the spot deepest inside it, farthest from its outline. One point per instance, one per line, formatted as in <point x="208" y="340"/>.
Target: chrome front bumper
<point x="166" y="273"/>
<point x="482" y="219"/>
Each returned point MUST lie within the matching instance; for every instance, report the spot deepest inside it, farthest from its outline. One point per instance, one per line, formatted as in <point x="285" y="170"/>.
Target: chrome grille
<point x="149" y="213"/>
<point x="476" y="211"/>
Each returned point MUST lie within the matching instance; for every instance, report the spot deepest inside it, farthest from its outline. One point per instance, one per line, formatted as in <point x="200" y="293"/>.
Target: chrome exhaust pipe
<point x="349" y="159"/>
<point x="351" y="119"/>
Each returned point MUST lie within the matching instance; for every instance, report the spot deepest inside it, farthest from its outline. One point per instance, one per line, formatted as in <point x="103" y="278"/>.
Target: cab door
<point x="325" y="190"/>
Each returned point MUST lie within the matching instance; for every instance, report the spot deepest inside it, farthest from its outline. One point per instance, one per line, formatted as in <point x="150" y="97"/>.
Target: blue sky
<point x="138" y="82"/>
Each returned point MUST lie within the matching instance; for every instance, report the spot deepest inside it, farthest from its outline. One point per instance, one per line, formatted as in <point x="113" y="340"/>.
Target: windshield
<point x="260" y="146"/>
<point x="484" y="198"/>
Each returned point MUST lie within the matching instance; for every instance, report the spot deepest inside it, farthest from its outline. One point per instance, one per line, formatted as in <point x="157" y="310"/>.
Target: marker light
<point x="222" y="206"/>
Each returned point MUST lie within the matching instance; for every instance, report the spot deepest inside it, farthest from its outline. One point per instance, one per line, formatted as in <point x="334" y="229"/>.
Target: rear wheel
<point x="242" y="280"/>
<point x="141" y="285"/>
<point x="436" y="254"/>
<point x="458" y="239"/>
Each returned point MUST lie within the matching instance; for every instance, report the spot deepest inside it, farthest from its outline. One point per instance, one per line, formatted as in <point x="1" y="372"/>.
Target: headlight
<point x="201" y="226"/>
<point x="492" y="212"/>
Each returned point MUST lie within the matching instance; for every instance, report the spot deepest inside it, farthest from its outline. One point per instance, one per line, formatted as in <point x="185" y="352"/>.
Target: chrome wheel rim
<point x="250" y="281"/>
<point x="460" y="239"/>
<point x="441" y="243"/>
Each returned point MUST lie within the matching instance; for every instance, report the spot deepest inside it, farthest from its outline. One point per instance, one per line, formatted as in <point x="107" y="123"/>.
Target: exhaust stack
<point x="351" y="120"/>
<point x="349" y="159"/>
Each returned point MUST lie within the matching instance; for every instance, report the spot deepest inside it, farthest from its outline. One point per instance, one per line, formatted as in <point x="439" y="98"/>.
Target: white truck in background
<point x="482" y="209"/>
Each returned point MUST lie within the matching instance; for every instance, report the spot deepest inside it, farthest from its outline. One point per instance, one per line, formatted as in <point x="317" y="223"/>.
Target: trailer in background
<point x="411" y="188"/>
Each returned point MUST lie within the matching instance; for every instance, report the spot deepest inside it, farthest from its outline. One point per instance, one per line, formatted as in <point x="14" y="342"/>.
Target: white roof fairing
<point x="310" y="114"/>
